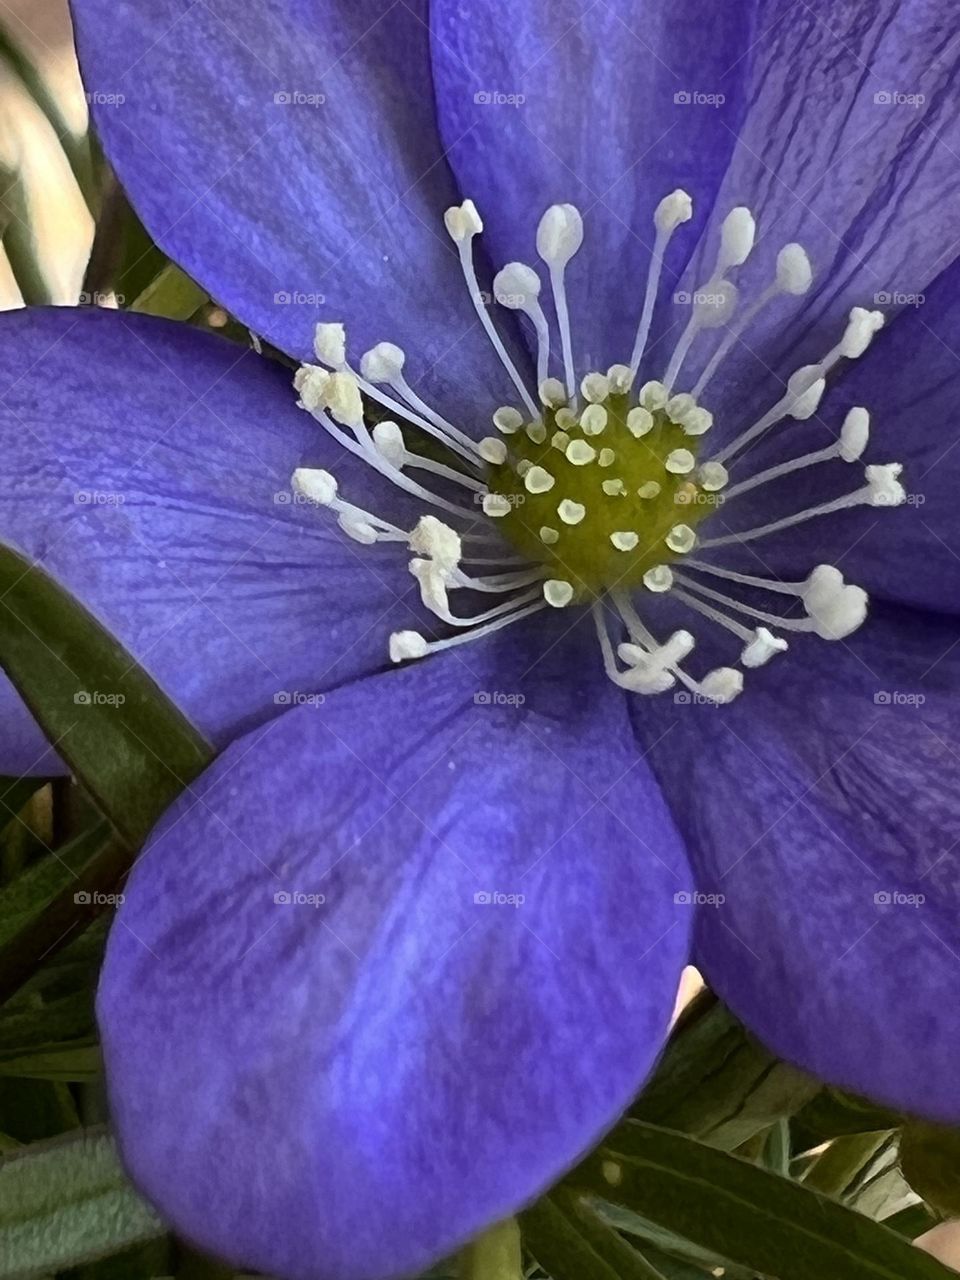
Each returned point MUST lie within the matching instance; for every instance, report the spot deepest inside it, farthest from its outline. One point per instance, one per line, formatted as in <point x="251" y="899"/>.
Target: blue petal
<point x="557" y="102"/>
<point x="822" y="806"/>
<point x="850" y="147"/>
<point x="286" y="156"/>
<point x="147" y="467"/>
<point x="338" y="1043"/>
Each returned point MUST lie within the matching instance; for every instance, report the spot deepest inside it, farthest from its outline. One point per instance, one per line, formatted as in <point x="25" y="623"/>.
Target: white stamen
<point x="579" y="453"/>
<point x="493" y="451"/>
<point x="496" y="505"/>
<point x="593" y="420"/>
<point x="571" y="512"/>
<point x="538" y="480"/>
<point x="330" y="344"/>
<point x="317" y="485"/>
<point x="681" y="539"/>
<point x="713" y="476"/>
<point x="517" y="287"/>
<point x="411" y="644"/>
<point x="624" y="539"/>
<point x="712" y="306"/>
<point x="548" y="535"/>
<point x="658" y="579"/>
<point x="802" y="397"/>
<point x="508" y="420"/>
<point x="620" y="379"/>
<point x="672" y="210"/>
<point x="680" y="462"/>
<point x="737" y="235"/>
<point x="606" y="458"/>
<point x="552" y="393"/>
<point x="463" y="224"/>
<point x="595" y="388"/>
<point x="559" y="236"/>
<point x="639" y="421"/>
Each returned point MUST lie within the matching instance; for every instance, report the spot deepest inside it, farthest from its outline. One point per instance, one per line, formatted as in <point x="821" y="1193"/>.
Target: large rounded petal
<point x="850" y="147"/>
<point x="285" y="153"/>
<point x="822" y="808"/>
<point x="606" y="106"/>
<point x="147" y="467"/>
<point x="393" y="964"/>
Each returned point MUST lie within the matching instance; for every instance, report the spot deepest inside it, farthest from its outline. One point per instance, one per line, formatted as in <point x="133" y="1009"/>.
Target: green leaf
<point x="930" y="1162"/>
<point x="835" y="1172"/>
<point x="717" y="1082"/>
<point x="67" y="1202"/>
<point x="831" y="1113"/>
<point x="14" y="794"/>
<point x="173" y="294"/>
<point x="571" y="1243"/>
<point x="744" y="1214"/>
<point x="126" y="742"/>
<point x="45" y="906"/>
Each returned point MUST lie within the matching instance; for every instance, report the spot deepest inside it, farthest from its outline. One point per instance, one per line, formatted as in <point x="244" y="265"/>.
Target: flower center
<point x="594" y="494"/>
<point x="606" y="497"/>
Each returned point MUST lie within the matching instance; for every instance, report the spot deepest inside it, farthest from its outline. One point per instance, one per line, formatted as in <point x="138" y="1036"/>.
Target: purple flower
<point x="410" y="945"/>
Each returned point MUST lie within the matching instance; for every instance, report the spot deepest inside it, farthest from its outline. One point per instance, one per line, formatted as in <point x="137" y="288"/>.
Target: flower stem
<point x="495" y="1255"/>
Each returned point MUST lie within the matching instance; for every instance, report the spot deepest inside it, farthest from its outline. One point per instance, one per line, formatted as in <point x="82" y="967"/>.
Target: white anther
<point x="712" y="476"/>
<point x="672" y="210"/>
<point x="680" y="462"/>
<point x="659" y="578"/>
<point x="624" y="539"/>
<point x="722" y="685"/>
<point x="823" y="584"/>
<point x="522" y="467"/>
<point x="388" y="439"/>
<point x="559" y="440"/>
<point x="536" y="432"/>
<point x="715" y="304"/>
<point x="606" y="458"/>
<point x="679" y="407"/>
<point x="794" y="273"/>
<point x="649" y="489"/>
<point x="431" y="537"/>
<point x="653" y="395"/>
<point x="565" y="418"/>
<point x="620" y="378"/>
<point x="593" y="420"/>
<point x="639" y="421"/>
<point x="310" y="383"/>
<point x="493" y="451"/>
<point x="560" y="234"/>
<point x="358" y="529"/>
<point x="557" y="592"/>
<point x="343" y="399"/>
<point x="697" y="421"/>
<point x="579" y="453"/>
<point x="861" y="327"/>
<point x="571" y="512"/>
<point x="382" y="363"/>
<point x="885" y="489"/>
<point x="762" y="648"/>
<point x="462" y="221"/>
<point x="840" y="614"/>
<point x="538" y="480"/>
<point x="854" y="434"/>
<point x="407" y="644"/>
<point x="805" y="388"/>
<point x="613" y="488"/>
<point x="516" y="286"/>
<point x="496" y="505"/>
<point x="508" y="420"/>
<point x="330" y="344"/>
<point x="595" y="387"/>
<point x="736" y="239"/>
<point x="316" y="485"/>
<point x="552" y="393"/>
<point x="432" y="581"/>
<point x="681" y="539"/>
<point x="548" y="536"/>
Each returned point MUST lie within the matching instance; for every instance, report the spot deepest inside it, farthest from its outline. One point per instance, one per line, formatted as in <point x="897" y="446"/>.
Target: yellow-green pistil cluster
<point x="605" y="496"/>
